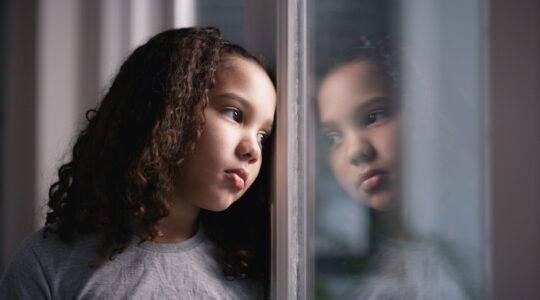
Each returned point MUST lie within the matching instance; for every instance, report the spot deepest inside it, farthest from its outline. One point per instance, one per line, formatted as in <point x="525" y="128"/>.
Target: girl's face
<point x="227" y="156"/>
<point x="362" y="132"/>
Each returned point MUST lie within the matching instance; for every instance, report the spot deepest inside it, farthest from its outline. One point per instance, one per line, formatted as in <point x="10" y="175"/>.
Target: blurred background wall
<point x="18" y="103"/>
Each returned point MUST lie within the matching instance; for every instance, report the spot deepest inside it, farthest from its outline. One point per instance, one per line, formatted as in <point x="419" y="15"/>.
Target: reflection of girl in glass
<point x="360" y="120"/>
<point x="153" y="203"/>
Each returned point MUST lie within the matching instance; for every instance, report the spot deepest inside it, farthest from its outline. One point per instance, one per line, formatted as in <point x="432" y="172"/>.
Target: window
<point x="461" y="77"/>
<point x="397" y="174"/>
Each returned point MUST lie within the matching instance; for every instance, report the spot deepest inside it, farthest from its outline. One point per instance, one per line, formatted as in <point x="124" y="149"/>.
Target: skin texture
<point x="362" y="132"/>
<point x="238" y="117"/>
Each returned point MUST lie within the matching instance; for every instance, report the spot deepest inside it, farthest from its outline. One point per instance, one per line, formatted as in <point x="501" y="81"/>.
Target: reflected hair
<point x="379" y="53"/>
<point x="124" y="163"/>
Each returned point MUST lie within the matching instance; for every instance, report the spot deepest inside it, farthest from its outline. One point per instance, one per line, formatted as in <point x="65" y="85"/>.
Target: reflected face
<point x="362" y="132"/>
<point x="227" y="156"/>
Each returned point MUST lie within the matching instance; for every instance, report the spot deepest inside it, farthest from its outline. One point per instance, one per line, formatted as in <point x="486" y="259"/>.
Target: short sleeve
<point x="24" y="277"/>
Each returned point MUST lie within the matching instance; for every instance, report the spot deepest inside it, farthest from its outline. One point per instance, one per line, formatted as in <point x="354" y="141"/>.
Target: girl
<point x="360" y="121"/>
<point x="153" y="203"/>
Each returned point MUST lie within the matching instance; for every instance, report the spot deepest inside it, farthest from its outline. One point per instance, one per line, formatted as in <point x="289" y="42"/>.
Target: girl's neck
<point x="390" y="224"/>
<point x="181" y="223"/>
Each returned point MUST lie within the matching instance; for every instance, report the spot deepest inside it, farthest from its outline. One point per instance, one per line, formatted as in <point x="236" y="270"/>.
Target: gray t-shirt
<point x="400" y="270"/>
<point x="51" y="269"/>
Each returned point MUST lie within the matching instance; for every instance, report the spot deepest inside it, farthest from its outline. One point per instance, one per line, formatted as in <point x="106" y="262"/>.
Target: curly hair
<point x="379" y="52"/>
<point x="124" y="162"/>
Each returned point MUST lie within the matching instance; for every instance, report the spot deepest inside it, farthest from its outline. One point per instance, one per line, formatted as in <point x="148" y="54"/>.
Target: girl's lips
<point x="238" y="177"/>
<point x="371" y="180"/>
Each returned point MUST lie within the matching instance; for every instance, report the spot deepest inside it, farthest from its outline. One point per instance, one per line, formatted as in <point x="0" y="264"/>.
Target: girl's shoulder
<point x="47" y="247"/>
<point x="41" y="260"/>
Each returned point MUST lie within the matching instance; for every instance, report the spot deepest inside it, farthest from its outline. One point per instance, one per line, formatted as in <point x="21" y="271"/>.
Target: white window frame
<point x="293" y="175"/>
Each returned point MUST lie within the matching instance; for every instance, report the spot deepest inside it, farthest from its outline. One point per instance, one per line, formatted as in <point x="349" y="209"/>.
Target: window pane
<point x="228" y="16"/>
<point x="398" y="91"/>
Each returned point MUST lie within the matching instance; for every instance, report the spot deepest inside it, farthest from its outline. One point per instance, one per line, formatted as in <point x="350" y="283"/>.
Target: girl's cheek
<point x="338" y="164"/>
<point x="389" y="142"/>
<point x="257" y="170"/>
<point x="333" y="160"/>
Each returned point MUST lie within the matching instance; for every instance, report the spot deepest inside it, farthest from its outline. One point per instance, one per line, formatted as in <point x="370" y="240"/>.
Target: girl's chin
<point x="382" y="201"/>
<point x="219" y="205"/>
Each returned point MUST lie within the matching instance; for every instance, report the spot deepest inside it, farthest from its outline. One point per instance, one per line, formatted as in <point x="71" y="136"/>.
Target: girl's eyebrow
<point x="328" y="125"/>
<point x="360" y="109"/>
<point x="232" y="96"/>
<point x="247" y="105"/>
<point x="372" y="102"/>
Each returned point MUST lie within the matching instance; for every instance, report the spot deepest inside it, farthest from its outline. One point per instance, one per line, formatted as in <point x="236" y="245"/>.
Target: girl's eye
<point x="233" y="113"/>
<point x="261" y="137"/>
<point x="375" y="116"/>
<point x="333" y="138"/>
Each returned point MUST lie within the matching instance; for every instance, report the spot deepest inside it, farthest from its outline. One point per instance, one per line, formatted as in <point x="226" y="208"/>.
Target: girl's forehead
<point x="233" y="61"/>
<point x="229" y="60"/>
<point x="238" y="69"/>
<point x="346" y="88"/>
<point x="351" y="80"/>
<point x="359" y="72"/>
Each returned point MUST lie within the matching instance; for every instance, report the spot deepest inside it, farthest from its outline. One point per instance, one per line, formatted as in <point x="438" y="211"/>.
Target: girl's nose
<point x="363" y="152"/>
<point x="249" y="149"/>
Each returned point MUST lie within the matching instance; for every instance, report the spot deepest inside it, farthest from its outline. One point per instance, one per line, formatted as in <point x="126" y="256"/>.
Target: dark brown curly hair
<point x="125" y="161"/>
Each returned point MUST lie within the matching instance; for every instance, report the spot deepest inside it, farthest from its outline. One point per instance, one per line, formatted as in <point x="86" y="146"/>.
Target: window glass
<point x="398" y="94"/>
<point x="228" y="16"/>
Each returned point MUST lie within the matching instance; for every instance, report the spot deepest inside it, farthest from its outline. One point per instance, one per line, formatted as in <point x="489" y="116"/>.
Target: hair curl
<point x="379" y="52"/>
<point x="124" y="162"/>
